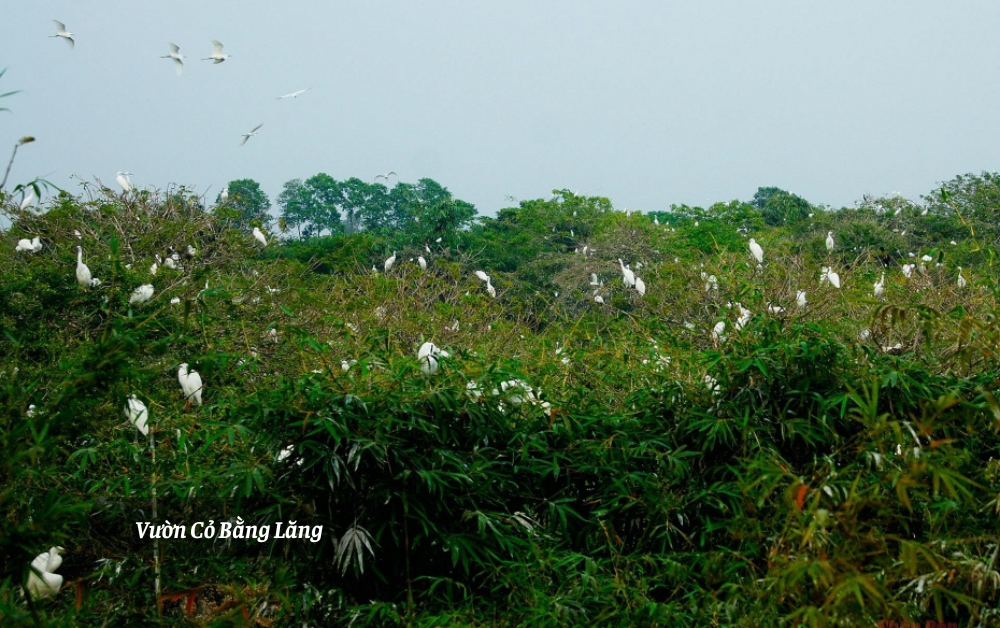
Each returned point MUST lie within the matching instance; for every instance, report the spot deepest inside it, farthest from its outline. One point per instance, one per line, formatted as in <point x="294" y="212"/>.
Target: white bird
<point x="879" y="287"/>
<point x="428" y="355"/>
<point x="717" y="334"/>
<point x="483" y="276"/>
<point x="640" y="286"/>
<point x="627" y="275"/>
<point x="712" y="384"/>
<point x="225" y="194"/>
<point x="170" y="263"/>
<point x="422" y="262"/>
<point x="259" y="235"/>
<point x="123" y="182"/>
<point x="756" y="251"/>
<point x="62" y="32"/>
<point x="598" y="299"/>
<point x="175" y="54"/>
<point x="800" y="298"/>
<point x="908" y="270"/>
<point x="491" y="290"/>
<point x="137" y="414"/>
<point x="273" y="335"/>
<point x="593" y="279"/>
<point x="829" y="241"/>
<point x="834" y="279"/>
<point x="28" y="199"/>
<point x="294" y="94"/>
<point x="389" y="262"/>
<point x="774" y="309"/>
<point x="190" y="383"/>
<point x="216" y="57"/>
<point x="961" y="279"/>
<point x="386" y="176"/>
<point x="252" y="133"/>
<point x="83" y="275"/>
<point x="711" y="283"/>
<point x="45" y="583"/>
<point x="141" y="294"/>
<point x="743" y="319"/>
<point x="30" y="246"/>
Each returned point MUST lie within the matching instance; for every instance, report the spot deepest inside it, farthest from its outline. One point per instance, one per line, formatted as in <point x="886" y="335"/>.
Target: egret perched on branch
<point x="428" y="355"/>
<point x="800" y="298"/>
<point x="43" y="582"/>
<point x="389" y="262"/>
<point x="83" y="276"/>
<point x="141" y="294"/>
<point x="834" y="279"/>
<point x="829" y="241"/>
<point x="216" y="57"/>
<point x="422" y="262"/>
<point x="640" y="286"/>
<point x="259" y="235"/>
<point x="29" y="199"/>
<point x="483" y="276"/>
<point x="123" y="182"/>
<point x="491" y="290"/>
<point x="593" y="280"/>
<point x="627" y="275"/>
<point x="717" y="332"/>
<point x="68" y="36"/>
<point x="190" y="383"/>
<point x="175" y="54"/>
<point x="756" y="251"/>
<point x="879" y="286"/>
<point x="137" y="414"/>
<point x="961" y="279"/>
<point x="29" y="246"/>
<point x="225" y="195"/>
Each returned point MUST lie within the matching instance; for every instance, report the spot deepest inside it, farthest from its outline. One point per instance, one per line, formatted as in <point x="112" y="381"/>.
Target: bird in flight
<point x="62" y="32"/>
<point x="294" y="94"/>
<point x="175" y="54"/>
<point x="216" y="56"/>
<point x="386" y="176"/>
<point x="252" y="133"/>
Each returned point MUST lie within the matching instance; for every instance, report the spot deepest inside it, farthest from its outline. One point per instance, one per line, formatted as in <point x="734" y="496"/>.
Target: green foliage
<point x="247" y="205"/>
<point x="785" y="208"/>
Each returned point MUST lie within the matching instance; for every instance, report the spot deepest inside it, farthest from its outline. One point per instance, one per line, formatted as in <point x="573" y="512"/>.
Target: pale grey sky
<point x="646" y="102"/>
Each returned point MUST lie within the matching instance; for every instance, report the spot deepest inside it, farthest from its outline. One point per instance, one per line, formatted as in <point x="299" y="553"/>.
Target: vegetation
<point x="569" y="463"/>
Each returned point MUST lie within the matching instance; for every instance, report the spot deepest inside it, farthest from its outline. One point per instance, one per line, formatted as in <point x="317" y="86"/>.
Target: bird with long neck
<point x="83" y="276"/>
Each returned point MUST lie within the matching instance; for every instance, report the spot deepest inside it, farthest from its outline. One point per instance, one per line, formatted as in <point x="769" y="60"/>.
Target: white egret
<point x="170" y="263"/>
<point x="29" y="199"/>
<point x="123" y="182"/>
<point x="756" y="251"/>
<point x="273" y="335"/>
<point x="94" y="283"/>
<point x="175" y="54"/>
<point x="389" y="262"/>
<point x="774" y="309"/>
<point x="879" y="286"/>
<point x="908" y="270"/>
<point x="43" y="582"/>
<point x="743" y="319"/>
<point x="137" y="414"/>
<point x="483" y="276"/>
<point x="711" y="283"/>
<point x="216" y="57"/>
<point x="391" y="173"/>
<point x="717" y="331"/>
<point x="491" y="290"/>
<point x="29" y="246"/>
<point x="627" y="275"/>
<point x="141" y="294"/>
<point x="252" y="133"/>
<point x="834" y="279"/>
<point x="62" y="32"/>
<point x="190" y="383"/>
<point x="640" y="286"/>
<point x="961" y="279"/>
<point x="593" y="279"/>
<point x="294" y="94"/>
<point x="712" y="384"/>
<point x="422" y="262"/>
<point x="598" y="299"/>
<point x="800" y="298"/>
<point x="829" y="241"/>
<point x="225" y="195"/>
<point x="259" y="235"/>
<point x="83" y="275"/>
<point x="428" y="355"/>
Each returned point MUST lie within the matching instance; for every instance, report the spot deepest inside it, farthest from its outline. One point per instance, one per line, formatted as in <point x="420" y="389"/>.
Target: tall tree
<point x="248" y="202"/>
<point x="294" y="205"/>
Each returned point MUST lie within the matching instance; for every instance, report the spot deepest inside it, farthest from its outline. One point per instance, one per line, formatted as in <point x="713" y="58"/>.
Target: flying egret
<point x="387" y="265"/>
<point x="879" y="286"/>
<point x="386" y="176"/>
<point x="961" y="279"/>
<point x="175" y="54"/>
<point x="43" y="582"/>
<point x="29" y="199"/>
<point x="640" y="286"/>
<point x="756" y="251"/>
<point x="65" y="34"/>
<point x="422" y="262"/>
<point x="190" y="383"/>
<point x="428" y="355"/>
<point x="252" y="133"/>
<point x="829" y="241"/>
<point x="259" y="235"/>
<point x="800" y="298"/>
<point x="294" y="94"/>
<point x="216" y="57"/>
<point x="137" y="414"/>
<point x="627" y="275"/>
<point x="141" y="294"/>
<point x="123" y="182"/>
<point x="83" y="275"/>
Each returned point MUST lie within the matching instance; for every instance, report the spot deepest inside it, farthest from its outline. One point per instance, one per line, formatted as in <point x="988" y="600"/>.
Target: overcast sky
<point x="646" y="102"/>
